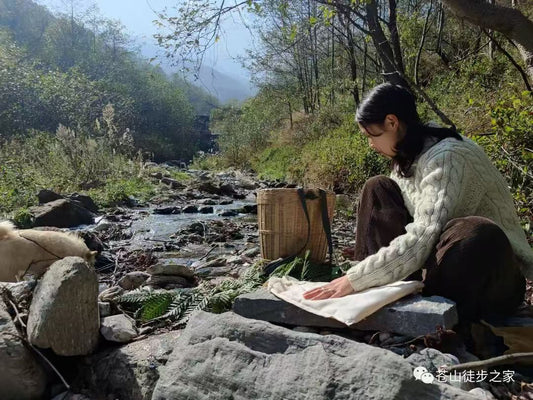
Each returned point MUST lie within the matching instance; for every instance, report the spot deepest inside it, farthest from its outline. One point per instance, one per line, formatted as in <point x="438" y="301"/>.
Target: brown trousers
<point x="472" y="264"/>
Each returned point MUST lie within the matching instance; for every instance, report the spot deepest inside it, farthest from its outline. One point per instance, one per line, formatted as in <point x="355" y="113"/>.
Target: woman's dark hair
<point x="387" y="99"/>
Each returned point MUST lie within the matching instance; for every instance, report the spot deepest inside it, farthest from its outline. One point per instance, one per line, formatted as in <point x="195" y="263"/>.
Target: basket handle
<point x="326" y="223"/>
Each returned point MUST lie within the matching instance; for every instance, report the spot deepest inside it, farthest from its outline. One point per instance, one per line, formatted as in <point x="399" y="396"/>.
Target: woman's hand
<point x="339" y="287"/>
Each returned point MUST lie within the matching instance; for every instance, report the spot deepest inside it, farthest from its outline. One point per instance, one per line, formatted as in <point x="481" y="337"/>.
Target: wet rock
<point x="239" y="196"/>
<point x="249" y="209"/>
<point x="46" y="196"/>
<point x="197" y="227"/>
<point x="253" y="252"/>
<point x="126" y="372"/>
<point x="208" y="202"/>
<point x="111" y="293"/>
<point x="170" y="269"/>
<point x="270" y="359"/>
<point x="226" y="202"/>
<point x="167" y="210"/>
<point x="118" y="328"/>
<point x="156" y="175"/>
<point x="206" y="210"/>
<point x="227" y="190"/>
<point x="235" y="260"/>
<point x="61" y="213"/>
<point x="85" y="201"/>
<point x="21" y="376"/>
<point x="174" y="184"/>
<point x="65" y="297"/>
<point x="229" y="213"/>
<point x="162" y="281"/>
<point x="190" y="209"/>
<point x="132" y="280"/>
<point x="210" y="272"/>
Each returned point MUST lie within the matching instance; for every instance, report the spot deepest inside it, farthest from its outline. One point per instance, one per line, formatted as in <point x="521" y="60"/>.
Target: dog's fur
<point x="33" y="251"/>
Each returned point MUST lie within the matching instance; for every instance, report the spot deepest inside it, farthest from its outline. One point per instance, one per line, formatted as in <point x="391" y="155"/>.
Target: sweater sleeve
<point x="444" y="174"/>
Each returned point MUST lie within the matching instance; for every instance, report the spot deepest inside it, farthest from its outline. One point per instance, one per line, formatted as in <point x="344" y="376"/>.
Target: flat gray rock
<point x="226" y="356"/>
<point x="64" y="311"/>
<point x="411" y="316"/>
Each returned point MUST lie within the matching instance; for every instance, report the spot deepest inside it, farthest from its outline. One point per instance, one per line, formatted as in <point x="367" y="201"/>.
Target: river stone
<point x="170" y="269"/>
<point x="228" y="213"/>
<point x="46" y="196"/>
<point x="174" y="184"/>
<point x="132" y="280"/>
<point x="118" y="328"/>
<point x="226" y="356"/>
<point x="163" y="280"/>
<point x="206" y="210"/>
<point x="127" y="372"/>
<point x="64" y="311"/>
<point x="62" y="213"/>
<point x="85" y="201"/>
<point x="254" y="251"/>
<point x="167" y="210"/>
<point x="190" y="209"/>
<point x="21" y="376"/>
<point x="413" y="316"/>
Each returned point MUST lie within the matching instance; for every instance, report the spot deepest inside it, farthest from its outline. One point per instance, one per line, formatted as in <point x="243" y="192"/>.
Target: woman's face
<point x="383" y="137"/>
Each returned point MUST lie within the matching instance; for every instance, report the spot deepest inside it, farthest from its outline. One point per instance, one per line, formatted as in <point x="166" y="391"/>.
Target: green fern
<point x="149" y="305"/>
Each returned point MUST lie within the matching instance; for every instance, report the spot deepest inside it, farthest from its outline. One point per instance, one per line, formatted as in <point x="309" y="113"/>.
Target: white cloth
<point x="452" y="179"/>
<point x="348" y="309"/>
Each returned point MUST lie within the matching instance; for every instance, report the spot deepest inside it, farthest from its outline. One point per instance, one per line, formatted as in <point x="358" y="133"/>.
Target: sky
<point x="138" y="15"/>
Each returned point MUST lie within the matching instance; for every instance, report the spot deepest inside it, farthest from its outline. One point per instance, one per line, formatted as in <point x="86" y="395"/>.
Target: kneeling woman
<point x="445" y="208"/>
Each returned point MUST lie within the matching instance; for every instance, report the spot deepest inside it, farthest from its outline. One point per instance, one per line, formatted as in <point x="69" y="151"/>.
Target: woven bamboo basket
<point x="283" y="226"/>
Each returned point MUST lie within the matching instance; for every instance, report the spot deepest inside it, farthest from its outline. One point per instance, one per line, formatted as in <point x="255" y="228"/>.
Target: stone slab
<point x="412" y="316"/>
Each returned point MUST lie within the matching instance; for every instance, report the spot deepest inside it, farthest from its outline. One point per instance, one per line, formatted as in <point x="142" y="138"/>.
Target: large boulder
<point x="62" y="213"/>
<point x="127" y="372"/>
<point x="227" y="356"/>
<point x="21" y="376"/>
<point x="64" y="311"/>
<point x="84" y="201"/>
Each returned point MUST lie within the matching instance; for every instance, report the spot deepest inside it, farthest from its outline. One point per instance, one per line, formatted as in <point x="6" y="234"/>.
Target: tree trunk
<point x="391" y="71"/>
<point x="506" y="20"/>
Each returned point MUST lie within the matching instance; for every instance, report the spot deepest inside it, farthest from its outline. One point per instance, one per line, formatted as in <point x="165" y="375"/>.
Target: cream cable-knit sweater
<point x="452" y="179"/>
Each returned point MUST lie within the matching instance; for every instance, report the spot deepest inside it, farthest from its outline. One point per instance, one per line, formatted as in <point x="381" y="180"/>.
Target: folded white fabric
<point x="348" y="309"/>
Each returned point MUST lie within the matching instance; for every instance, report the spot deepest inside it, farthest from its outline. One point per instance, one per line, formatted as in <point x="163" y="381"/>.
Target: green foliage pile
<point x="147" y="305"/>
<point x="304" y="270"/>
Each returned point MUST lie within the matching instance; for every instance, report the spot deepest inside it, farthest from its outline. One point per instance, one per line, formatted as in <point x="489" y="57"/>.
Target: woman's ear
<point x="392" y="121"/>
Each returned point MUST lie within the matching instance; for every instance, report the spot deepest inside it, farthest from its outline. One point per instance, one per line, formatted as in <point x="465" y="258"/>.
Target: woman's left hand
<point x="339" y="287"/>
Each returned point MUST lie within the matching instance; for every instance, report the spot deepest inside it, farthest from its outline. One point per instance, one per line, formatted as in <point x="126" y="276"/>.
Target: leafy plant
<point x="148" y="305"/>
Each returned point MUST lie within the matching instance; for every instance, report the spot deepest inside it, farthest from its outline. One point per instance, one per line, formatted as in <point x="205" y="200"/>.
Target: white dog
<point x="33" y="251"/>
